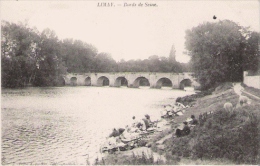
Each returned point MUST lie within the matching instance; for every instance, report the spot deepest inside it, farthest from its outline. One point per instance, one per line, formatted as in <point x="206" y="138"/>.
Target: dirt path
<point x="239" y="90"/>
<point x="247" y="93"/>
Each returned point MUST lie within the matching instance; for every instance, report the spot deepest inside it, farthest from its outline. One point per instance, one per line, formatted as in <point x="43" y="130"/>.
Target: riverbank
<point x="189" y="149"/>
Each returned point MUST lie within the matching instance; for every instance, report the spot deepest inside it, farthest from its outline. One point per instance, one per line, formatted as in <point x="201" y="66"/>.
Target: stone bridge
<point x="131" y="79"/>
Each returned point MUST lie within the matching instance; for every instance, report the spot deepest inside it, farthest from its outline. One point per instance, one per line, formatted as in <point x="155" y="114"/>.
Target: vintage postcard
<point x="130" y="82"/>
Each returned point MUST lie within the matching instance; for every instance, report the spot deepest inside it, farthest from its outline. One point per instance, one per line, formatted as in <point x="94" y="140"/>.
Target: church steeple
<point x="172" y="54"/>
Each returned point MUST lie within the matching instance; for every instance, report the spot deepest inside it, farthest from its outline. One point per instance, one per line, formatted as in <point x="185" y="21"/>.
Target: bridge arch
<point x="141" y="81"/>
<point x="103" y="81"/>
<point x="73" y="81"/>
<point x="184" y="83"/>
<point x="121" y="81"/>
<point x="87" y="81"/>
<point x="163" y="82"/>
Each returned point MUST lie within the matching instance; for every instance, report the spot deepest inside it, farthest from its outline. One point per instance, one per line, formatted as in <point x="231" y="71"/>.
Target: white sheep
<point x="244" y="100"/>
<point x="228" y="106"/>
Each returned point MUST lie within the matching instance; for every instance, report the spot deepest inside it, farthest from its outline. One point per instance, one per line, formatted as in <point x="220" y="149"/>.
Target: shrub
<point x="189" y="100"/>
<point x="142" y="143"/>
<point x="223" y="87"/>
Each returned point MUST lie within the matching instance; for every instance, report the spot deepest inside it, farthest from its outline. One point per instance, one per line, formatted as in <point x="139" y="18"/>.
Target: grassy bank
<point x="221" y="137"/>
<point x="226" y="135"/>
<point x="133" y="159"/>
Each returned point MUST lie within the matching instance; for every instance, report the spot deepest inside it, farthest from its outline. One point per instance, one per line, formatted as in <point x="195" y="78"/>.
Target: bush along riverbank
<point x="221" y="137"/>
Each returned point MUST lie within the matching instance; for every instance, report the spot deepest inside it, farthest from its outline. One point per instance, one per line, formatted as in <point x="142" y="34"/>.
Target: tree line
<point x="30" y="57"/>
<point x="221" y="51"/>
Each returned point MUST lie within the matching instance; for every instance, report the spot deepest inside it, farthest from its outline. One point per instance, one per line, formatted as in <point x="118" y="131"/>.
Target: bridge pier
<point x="153" y="80"/>
<point x="93" y="79"/>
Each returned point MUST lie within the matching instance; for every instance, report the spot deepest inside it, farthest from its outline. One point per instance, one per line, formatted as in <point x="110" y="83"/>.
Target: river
<point x="65" y="125"/>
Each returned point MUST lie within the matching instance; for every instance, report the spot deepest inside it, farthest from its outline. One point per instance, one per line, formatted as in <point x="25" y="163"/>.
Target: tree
<point x="50" y="66"/>
<point x="154" y="63"/>
<point x="19" y="58"/>
<point x="216" y="51"/>
<point x="165" y="65"/>
<point x="78" y="56"/>
<point x="104" y="63"/>
<point x="251" y="57"/>
<point x="172" y="56"/>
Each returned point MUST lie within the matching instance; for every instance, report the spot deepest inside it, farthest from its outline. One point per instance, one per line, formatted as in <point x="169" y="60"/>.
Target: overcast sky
<point x="129" y="32"/>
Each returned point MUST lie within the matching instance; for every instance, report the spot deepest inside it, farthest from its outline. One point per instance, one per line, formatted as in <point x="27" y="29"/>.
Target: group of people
<point x="191" y="122"/>
<point x="130" y="135"/>
<point x="143" y="124"/>
<point x="188" y="124"/>
<point x="123" y="138"/>
<point x="176" y="109"/>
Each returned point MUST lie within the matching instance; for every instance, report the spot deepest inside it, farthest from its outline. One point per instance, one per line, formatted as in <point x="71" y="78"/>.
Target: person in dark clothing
<point x="149" y="120"/>
<point x="178" y="132"/>
<point x="139" y="125"/>
<point x="194" y="120"/>
<point x="184" y="131"/>
<point x="147" y="125"/>
<point x="114" y="133"/>
<point x="121" y="130"/>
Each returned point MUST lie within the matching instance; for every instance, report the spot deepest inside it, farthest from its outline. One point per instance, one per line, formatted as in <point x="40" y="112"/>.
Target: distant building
<point x="251" y="80"/>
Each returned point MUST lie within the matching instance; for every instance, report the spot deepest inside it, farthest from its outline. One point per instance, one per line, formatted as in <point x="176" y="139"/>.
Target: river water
<point x="65" y="125"/>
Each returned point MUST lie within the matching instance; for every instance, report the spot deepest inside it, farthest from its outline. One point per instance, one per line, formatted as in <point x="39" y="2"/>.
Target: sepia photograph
<point x="122" y="82"/>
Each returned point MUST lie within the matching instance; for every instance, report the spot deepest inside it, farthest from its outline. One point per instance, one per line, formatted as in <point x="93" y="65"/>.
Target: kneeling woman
<point x="184" y="131"/>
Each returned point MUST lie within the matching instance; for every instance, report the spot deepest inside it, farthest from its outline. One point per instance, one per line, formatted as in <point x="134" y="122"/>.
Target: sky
<point x="135" y="32"/>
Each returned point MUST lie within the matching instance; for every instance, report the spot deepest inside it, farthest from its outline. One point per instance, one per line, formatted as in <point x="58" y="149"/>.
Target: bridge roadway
<point x="131" y="79"/>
